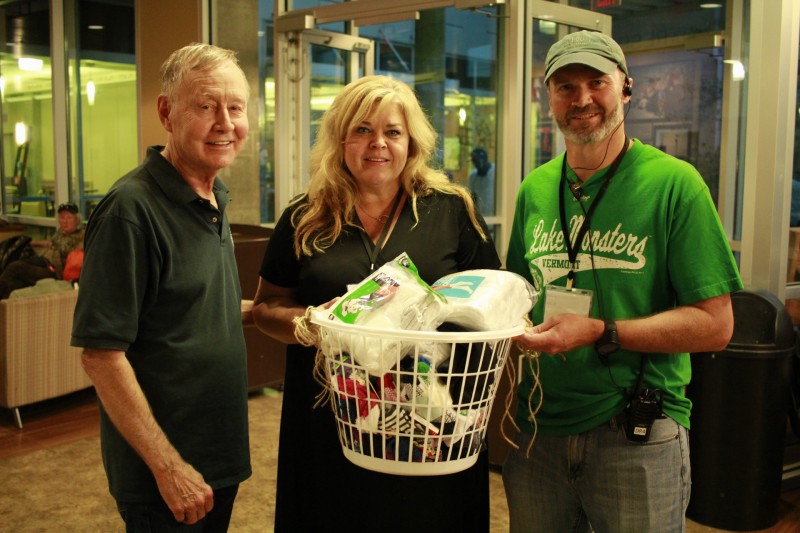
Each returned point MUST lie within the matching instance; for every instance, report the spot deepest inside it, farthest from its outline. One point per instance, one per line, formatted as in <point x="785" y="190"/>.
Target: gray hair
<point x="195" y="57"/>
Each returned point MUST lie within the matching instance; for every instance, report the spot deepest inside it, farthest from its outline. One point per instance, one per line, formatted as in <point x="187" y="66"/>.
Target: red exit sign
<point x="600" y="4"/>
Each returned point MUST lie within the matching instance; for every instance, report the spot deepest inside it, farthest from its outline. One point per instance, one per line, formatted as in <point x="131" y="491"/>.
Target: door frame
<point x="515" y="133"/>
<point x="293" y="95"/>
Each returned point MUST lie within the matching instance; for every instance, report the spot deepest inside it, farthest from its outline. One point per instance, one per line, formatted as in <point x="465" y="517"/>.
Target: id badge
<point x="559" y="300"/>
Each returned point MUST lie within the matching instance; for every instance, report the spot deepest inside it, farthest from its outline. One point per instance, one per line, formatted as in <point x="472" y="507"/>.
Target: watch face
<point x="607" y="347"/>
<point x="608" y="343"/>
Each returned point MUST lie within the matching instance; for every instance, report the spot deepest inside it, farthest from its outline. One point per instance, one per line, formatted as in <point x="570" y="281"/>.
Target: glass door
<point x="548" y="23"/>
<point x="317" y="65"/>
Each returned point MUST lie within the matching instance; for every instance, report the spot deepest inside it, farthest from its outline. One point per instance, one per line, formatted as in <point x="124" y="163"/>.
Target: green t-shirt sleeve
<point x="701" y="264"/>
<point x="515" y="258"/>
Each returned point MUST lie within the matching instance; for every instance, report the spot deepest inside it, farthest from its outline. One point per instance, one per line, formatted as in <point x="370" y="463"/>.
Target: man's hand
<point x="182" y="487"/>
<point x="561" y="333"/>
<point x="186" y="493"/>
<point x="704" y="326"/>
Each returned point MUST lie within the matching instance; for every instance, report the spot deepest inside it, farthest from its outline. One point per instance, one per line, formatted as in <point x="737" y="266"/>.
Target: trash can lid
<point x="761" y="321"/>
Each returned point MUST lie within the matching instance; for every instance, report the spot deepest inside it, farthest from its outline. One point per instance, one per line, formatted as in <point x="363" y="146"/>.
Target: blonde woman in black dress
<point x="372" y="195"/>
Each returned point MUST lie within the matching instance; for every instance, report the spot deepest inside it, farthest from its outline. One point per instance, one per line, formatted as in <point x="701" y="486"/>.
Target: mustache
<point x="584" y="110"/>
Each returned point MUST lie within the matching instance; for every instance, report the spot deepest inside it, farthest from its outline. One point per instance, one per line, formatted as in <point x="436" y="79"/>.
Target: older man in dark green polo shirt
<point x="159" y="314"/>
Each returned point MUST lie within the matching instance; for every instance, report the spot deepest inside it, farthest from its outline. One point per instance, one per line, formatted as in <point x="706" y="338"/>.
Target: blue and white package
<point x="486" y="300"/>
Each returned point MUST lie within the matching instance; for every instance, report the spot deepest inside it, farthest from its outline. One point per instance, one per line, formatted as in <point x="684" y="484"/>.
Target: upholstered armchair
<point x="36" y="361"/>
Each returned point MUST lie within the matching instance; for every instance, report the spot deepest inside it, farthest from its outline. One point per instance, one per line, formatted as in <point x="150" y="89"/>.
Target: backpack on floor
<point x="15" y="248"/>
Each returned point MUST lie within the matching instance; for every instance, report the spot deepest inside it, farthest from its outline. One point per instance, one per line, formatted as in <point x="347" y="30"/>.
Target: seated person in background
<point x="68" y="237"/>
<point x="49" y="263"/>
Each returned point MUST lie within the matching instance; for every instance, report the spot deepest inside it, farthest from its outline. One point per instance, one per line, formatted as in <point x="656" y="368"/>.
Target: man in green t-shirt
<point x="627" y="247"/>
<point x="159" y="310"/>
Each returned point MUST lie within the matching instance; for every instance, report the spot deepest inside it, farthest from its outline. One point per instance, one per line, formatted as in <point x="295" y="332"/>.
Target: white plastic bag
<point x="393" y="297"/>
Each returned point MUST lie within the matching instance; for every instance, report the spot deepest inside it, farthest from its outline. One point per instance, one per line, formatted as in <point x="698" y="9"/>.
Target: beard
<point x="583" y="135"/>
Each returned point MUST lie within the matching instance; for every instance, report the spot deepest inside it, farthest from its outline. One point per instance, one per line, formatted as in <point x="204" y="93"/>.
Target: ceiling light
<point x="711" y="5"/>
<point x="20" y="133"/>
<point x="90" y="92"/>
<point x="96" y="26"/>
<point x="547" y="27"/>
<point x="30" y="63"/>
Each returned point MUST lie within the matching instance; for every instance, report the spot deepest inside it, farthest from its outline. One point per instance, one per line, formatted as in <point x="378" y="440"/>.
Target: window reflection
<point x="449" y="56"/>
<point x="676" y="106"/>
<point x="103" y="95"/>
<point x="108" y="147"/>
<point x="101" y="80"/>
<point x="26" y="99"/>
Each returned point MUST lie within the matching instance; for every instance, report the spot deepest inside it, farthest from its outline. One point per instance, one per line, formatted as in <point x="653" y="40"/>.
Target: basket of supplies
<point x="424" y="409"/>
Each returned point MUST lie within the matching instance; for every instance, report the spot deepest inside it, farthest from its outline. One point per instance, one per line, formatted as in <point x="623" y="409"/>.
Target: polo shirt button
<point x="214" y="219"/>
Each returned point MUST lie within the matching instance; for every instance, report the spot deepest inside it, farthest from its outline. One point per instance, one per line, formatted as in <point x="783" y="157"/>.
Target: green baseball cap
<point x="590" y="48"/>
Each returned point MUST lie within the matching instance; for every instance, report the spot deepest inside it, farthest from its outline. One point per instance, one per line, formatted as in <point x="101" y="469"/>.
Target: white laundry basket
<point x="426" y="415"/>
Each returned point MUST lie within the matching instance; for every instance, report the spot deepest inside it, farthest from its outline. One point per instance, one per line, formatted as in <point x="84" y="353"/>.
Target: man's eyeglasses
<point x="69" y="206"/>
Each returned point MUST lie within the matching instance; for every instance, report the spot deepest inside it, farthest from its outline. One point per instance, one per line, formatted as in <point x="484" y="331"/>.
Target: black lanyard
<point x="572" y="250"/>
<point x="373" y="252"/>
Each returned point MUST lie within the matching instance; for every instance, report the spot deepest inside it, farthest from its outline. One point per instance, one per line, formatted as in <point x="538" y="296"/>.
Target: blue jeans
<point x="599" y="480"/>
<point x="156" y="517"/>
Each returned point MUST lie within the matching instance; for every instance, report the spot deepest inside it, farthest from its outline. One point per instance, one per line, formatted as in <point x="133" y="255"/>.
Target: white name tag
<point x="558" y="300"/>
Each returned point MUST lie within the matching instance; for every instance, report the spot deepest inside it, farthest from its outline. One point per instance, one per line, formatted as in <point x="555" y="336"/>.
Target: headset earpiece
<point x="627" y="90"/>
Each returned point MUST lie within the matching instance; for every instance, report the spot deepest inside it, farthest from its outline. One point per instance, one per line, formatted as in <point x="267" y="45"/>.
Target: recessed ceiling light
<point x="96" y="26"/>
<point x="711" y="5"/>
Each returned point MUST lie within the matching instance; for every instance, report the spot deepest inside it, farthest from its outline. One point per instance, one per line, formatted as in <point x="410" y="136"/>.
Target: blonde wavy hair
<point x="328" y="206"/>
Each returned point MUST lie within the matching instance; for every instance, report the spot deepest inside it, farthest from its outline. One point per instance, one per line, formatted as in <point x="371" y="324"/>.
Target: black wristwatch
<point x="608" y="343"/>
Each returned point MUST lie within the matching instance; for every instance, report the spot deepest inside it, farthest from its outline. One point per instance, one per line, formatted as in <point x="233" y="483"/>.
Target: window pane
<point x="26" y="99"/>
<point x="308" y="4"/>
<point x="677" y="106"/>
<point x="106" y="75"/>
<point x="660" y="19"/>
<point x="677" y="95"/>
<point x="266" y="73"/>
<point x="449" y="57"/>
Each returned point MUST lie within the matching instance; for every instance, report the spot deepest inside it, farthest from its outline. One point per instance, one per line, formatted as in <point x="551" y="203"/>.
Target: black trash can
<point x="740" y="406"/>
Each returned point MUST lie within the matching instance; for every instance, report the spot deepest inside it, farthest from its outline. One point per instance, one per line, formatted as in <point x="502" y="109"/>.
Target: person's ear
<point x="627" y="89"/>
<point x="164" y="108"/>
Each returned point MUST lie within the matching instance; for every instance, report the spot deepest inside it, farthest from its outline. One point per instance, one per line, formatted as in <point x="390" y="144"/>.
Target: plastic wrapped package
<point x="393" y="297"/>
<point x="486" y="300"/>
